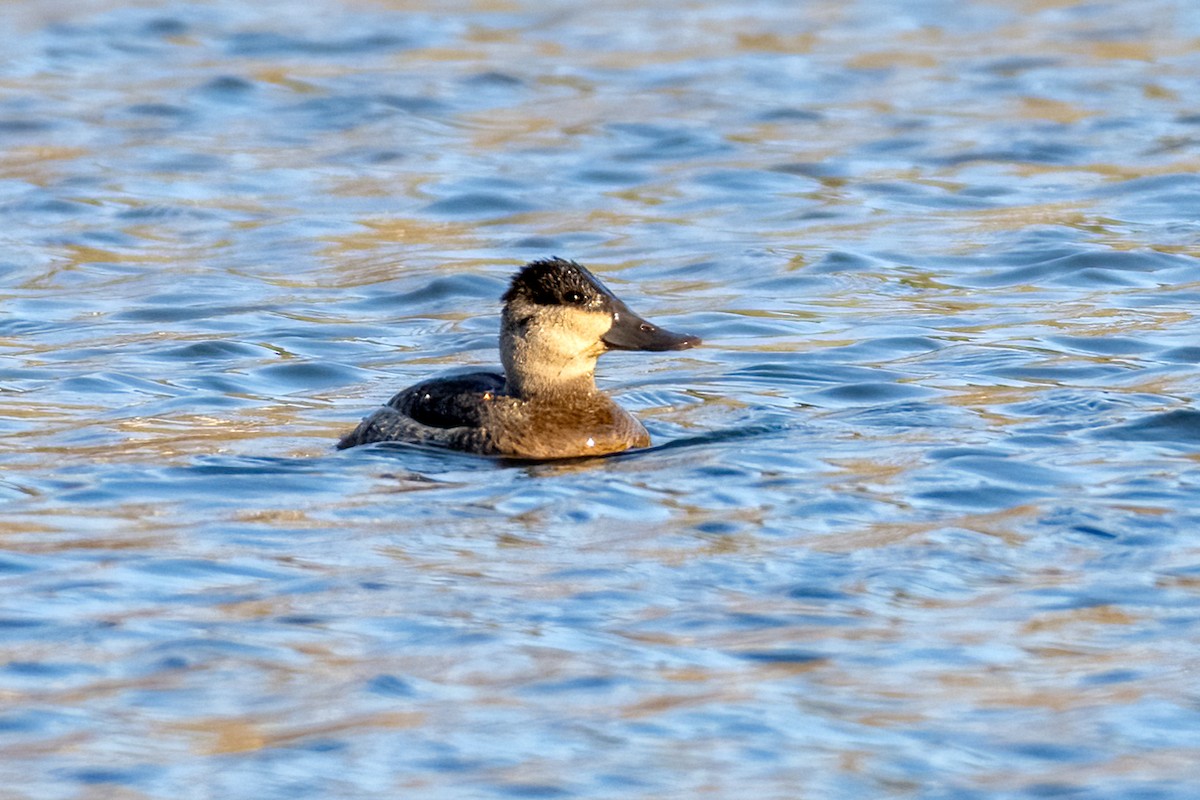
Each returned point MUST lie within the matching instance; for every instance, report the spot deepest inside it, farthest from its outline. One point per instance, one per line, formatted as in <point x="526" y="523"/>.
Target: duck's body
<point x="473" y="412"/>
<point x="557" y="320"/>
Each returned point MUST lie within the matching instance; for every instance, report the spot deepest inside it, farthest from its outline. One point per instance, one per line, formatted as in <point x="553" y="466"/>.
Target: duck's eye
<point x="575" y="298"/>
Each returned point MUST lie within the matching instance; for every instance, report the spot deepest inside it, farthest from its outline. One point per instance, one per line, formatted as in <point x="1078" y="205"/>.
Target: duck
<point x="557" y="320"/>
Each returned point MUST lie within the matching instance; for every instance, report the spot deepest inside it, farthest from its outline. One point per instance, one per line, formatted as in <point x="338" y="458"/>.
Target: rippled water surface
<point x="920" y="520"/>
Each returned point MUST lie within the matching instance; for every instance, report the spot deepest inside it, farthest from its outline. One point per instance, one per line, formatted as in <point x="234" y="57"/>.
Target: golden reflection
<point x="142" y="533"/>
<point x="766" y="42"/>
<point x="1050" y="110"/>
<point x="35" y="163"/>
<point x="1124" y="50"/>
<point x="13" y="527"/>
<point x="1117" y="172"/>
<point x="1155" y="91"/>
<point x="688" y="674"/>
<point x="1010" y="218"/>
<point x="504" y="128"/>
<point x="1092" y="615"/>
<point x="985" y="397"/>
<point x="386" y="234"/>
<point x="288" y="517"/>
<point x="277" y="76"/>
<point x="892" y="59"/>
<point x="892" y="719"/>
<point x="169" y="438"/>
<point x="662" y="704"/>
<point x="78" y="257"/>
<point x="220" y="736"/>
<point x="378" y="186"/>
<point x="996" y="689"/>
<point x="14" y="752"/>
<point x="1005" y="525"/>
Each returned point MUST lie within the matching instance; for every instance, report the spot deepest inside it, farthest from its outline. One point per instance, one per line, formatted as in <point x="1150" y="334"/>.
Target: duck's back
<point x="448" y="411"/>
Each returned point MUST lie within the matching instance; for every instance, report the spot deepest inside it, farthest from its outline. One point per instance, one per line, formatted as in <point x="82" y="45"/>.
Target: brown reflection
<point x="217" y="736"/>
<point x="662" y="704"/>
<point x="36" y="164"/>
<point x="1044" y="108"/>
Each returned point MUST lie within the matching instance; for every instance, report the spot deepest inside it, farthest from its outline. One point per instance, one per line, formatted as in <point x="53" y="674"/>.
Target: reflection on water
<point x="919" y="519"/>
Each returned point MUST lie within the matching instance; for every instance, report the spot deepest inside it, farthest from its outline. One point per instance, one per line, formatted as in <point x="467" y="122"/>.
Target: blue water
<point x="920" y="520"/>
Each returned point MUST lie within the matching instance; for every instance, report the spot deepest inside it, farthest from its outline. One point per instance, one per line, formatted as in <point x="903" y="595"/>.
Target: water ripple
<point x="918" y="518"/>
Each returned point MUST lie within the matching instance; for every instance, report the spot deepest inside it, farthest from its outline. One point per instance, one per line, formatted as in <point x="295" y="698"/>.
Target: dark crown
<point x="554" y="281"/>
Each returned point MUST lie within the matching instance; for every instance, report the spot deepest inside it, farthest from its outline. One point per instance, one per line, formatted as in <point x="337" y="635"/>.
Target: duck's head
<point x="559" y="318"/>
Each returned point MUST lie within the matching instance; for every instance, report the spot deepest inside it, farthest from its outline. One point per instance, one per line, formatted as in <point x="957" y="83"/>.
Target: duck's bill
<point x="631" y="332"/>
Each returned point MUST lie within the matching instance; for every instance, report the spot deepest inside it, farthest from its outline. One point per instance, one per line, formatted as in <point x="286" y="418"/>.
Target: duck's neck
<point x="529" y="374"/>
<point x="529" y="387"/>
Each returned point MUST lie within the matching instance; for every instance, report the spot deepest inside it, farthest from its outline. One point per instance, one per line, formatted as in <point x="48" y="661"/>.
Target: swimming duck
<point x="558" y="319"/>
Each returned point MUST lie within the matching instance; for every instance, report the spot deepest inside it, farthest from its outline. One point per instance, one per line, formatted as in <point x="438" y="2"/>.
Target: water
<point x="920" y="520"/>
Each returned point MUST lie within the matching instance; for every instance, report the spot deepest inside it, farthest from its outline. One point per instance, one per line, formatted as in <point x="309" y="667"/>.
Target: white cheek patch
<point x="576" y="333"/>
